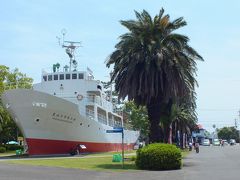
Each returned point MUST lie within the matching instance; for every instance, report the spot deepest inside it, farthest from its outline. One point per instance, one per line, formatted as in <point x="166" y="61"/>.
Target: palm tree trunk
<point x="166" y="130"/>
<point x="154" y="114"/>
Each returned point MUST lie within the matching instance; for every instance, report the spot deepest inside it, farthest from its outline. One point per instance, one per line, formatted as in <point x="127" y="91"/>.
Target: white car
<point x="206" y="142"/>
<point x="232" y="142"/>
<point x="216" y="142"/>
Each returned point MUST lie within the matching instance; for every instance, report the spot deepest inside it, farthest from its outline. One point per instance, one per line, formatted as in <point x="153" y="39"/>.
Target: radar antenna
<point x="70" y="47"/>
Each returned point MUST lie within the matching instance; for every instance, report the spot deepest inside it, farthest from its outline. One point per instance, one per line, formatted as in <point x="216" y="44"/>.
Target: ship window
<point x="61" y="77"/>
<point x="49" y="77"/>
<point x="45" y="78"/>
<point x="74" y="76"/>
<point x="67" y="76"/>
<point x="80" y="76"/>
<point x="55" y="77"/>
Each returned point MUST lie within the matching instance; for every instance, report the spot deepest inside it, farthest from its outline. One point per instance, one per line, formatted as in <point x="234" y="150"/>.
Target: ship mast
<point x="70" y="47"/>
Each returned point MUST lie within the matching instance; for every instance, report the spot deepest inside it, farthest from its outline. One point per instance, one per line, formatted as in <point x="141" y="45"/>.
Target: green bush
<point x="159" y="157"/>
<point x="2" y="149"/>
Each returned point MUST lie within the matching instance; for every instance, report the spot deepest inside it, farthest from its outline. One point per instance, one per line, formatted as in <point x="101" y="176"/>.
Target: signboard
<point x="114" y="131"/>
<point x="82" y="146"/>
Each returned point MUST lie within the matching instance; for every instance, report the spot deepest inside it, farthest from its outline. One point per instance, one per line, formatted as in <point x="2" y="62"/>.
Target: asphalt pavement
<point x="212" y="163"/>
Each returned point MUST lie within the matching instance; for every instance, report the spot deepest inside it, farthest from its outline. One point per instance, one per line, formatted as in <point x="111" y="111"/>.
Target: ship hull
<point x="52" y="125"/>
<point x="46" y="146"/>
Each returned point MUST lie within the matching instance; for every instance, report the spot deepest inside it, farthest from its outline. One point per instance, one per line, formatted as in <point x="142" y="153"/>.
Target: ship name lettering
<point x="38" y="104"/>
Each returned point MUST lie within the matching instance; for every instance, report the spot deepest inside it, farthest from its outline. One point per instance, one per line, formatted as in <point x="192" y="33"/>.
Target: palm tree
<point x="153" y="66"/>
<point x="185" y="123"/>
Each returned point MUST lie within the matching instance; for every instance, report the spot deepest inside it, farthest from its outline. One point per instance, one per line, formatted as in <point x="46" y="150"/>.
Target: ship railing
<point x="111" y="122"/>
<point x="118" y="111"/>
<point x="94" y="99"/>
<point x="117" y="124"/>
<point x="101" y="102"/>
<point x="102" y="118"/>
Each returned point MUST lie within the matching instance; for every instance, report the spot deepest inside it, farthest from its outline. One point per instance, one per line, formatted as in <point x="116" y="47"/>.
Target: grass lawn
<point x="9" y="153"/>
<point x="97" y="161"/>
<point x="90" y="163"/>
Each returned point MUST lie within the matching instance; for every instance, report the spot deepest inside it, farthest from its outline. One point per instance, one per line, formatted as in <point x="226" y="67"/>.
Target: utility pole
<point x="239" y="130"/>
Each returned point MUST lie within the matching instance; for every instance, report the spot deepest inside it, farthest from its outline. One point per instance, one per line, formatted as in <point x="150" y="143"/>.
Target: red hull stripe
<point x="45" y="146"/>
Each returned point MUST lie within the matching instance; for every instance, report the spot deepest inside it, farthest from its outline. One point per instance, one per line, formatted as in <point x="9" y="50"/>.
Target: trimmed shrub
<point x="159" y="157"/>
<point x="2" y="149"/>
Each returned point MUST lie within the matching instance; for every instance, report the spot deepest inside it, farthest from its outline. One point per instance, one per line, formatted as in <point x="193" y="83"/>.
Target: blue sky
<point x="28" y="30"/>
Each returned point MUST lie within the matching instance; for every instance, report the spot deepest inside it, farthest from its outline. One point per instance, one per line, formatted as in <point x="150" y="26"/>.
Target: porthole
<point x="37" y="120"/>
<point x="80" y="124"/>
<point x="88" y="126"/>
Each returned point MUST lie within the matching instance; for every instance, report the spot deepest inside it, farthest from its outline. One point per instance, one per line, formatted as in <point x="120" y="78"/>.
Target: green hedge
<point x="159" y="157"/>
<point x="2" y="149"/>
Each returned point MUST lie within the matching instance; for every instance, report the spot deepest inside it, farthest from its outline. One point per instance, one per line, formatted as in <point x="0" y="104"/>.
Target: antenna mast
<point x="70" y="47"/>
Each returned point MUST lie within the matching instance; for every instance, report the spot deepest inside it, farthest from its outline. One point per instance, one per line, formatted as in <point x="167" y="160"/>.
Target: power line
<point x="217" y="109"/>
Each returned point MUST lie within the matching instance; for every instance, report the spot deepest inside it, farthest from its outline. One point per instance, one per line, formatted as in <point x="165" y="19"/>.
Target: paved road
<point x="213" y="163"/>
<point x="210" y="164"/>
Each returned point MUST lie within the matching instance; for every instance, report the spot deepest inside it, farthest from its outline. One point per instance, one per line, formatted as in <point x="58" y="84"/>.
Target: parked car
<point x="216" y="142"/>
<point x="206" y="142"/>
<point x="232" y="142"/>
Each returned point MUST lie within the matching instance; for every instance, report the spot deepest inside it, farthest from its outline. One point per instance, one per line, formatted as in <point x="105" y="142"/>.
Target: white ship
<point x="66" y="110"/>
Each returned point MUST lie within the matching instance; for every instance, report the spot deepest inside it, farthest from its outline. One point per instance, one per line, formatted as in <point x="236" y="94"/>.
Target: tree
<point x="10" y="80"/>
<point x="228" y="133"/>
<point x="138" y="118"/>
<point x="154" y="66"/>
